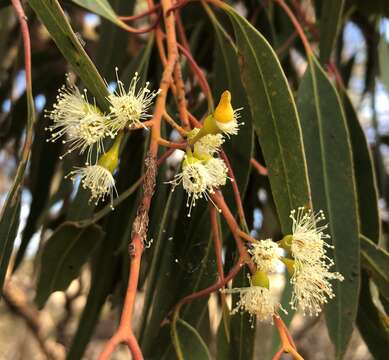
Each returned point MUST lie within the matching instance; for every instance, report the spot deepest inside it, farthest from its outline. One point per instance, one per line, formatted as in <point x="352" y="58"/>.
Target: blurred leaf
<point x="275" y="119"/>
<point x="330" y="168"/>
<point x="242" y="327"/>
<point x="383" y="53"/>
<point x="371" y="7"/>
<point x="376" y="260"/>
<point x="371" y="323"/>
<point x="63" y="256"/>
<point x="9" y="216"/>
<point x="9" y="224"/>
<point x="110" y="52"/>
<point x="364" y="174"/>
<point x="53" y="17"/>
<point x="330" y="22"/>
<point x="189" y="344"/>
<point x="103" y="8"/>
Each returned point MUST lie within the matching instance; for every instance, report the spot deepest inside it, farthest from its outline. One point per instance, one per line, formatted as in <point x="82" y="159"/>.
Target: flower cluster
<point x="84" y="128"/>
<point x="309" y="268"/>
<point x="311" y="276"/>
<point x="202" y="170"/>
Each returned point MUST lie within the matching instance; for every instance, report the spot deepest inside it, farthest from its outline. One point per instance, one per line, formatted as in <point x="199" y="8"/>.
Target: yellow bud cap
<point x="260" y="279"/>
<point x="224" y="112"/>
<point x="110" y="159"/>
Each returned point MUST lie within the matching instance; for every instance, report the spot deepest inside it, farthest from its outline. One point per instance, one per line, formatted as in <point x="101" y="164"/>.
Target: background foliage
<point x="318" y="122"/>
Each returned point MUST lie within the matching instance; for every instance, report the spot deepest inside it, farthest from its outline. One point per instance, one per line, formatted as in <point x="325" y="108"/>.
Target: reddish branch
<point x="124" y="333"/>
<point x="260" y="168"/>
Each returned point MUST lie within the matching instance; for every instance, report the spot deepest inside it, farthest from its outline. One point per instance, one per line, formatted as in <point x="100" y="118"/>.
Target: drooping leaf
<point x="376" y="261"/>
<point x="371" y="323"/>
<point x="63" y="256"/>
<point x="331" y="174"/>
<point x="275" y="119"/>
<point x="330" y="22"/>
<point x="364" y="174"/>
<point x="383" y="52"/>
<point x="9" y="223"/>
<point x="239" y="148"/>
<point x="189" y="344"/>
<point x="53" y="17"/>
<point x="102" y="8"/>
<point x="9" y="216"/>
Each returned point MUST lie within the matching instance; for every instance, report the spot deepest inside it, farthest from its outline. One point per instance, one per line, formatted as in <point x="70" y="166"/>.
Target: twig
<point x="16" y="301"/>
<point x="124" y="332"/>
<point x="260" y="168"/>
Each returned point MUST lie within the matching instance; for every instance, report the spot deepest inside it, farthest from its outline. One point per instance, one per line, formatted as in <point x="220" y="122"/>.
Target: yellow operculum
<point x="260" y="279"/>
<point x="110" y="159"/>
<point x="224" y="112"/>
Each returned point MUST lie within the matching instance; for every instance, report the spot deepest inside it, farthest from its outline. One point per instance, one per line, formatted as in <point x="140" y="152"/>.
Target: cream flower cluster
<point x="202" y="171"/>
<point x="309" y="267"/>
<point x="311" y="277"/>
<point x="84" y="128"/>
<point x="200" y="177"/>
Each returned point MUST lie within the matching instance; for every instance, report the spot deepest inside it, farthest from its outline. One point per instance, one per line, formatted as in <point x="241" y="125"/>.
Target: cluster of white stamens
<point x="80" y="124"/>
<point x="265" y="254"/>
<point x="199" y="178"/>
<point x="208" y="145"/>
<point x="98" y="180"/>
<point x="311" y="277"/>
<point x="129" y="107"/>
<point x="257" y="301"/>
<point x="231" y="127"/>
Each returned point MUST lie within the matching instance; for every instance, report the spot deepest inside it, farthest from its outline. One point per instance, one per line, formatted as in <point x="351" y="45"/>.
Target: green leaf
<point x="239" y="148"/>
<point x="53" y="17"/>
<point x="9" y="223"/>
<point x="102" y="8"/>
<point x="63" y="255"/>
<point x="364" y="174"/>
<point x="331" y="174"/>
<point x="371" y="323"/>
<point x="9" y="217"/>
<point x="330" y="22"/>
<point x="275" y="119"/>
<point x="376" y="261"/>
<point x="383" y="53"/>
<point x="188" y="342"/>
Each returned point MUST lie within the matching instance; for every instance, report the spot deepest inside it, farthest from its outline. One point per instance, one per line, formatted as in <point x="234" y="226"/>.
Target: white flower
<point x="208" y="145"/>
<point x="195" y="179"/>
<point x="311" y="287"/>
<point x="199" y="178"/>
<point x="308" y="238"/>
<point x="265" y="254"/>
<point x="129" y="108"/>
<point x="257" y="301"/>
<point x="231" y="127"/>
<point x="98" y="180"/>
<point x="80" y="124"/>
<point x="217" y="171"/>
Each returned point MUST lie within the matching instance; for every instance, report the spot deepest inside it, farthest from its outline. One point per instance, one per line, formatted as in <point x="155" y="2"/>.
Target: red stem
<point x="260" y="168"/>
<point x="237" y="197"/>
<point x="217" y="243"/>
<point x="26" y="41"/>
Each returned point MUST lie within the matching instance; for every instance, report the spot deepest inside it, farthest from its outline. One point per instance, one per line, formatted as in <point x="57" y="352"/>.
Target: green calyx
<point x="209" y="127"/>
<point x="286" y="242"/>
<point x="110" y="159"/>
<point x="290" y="265"/>
<point x="260" y="279"/>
